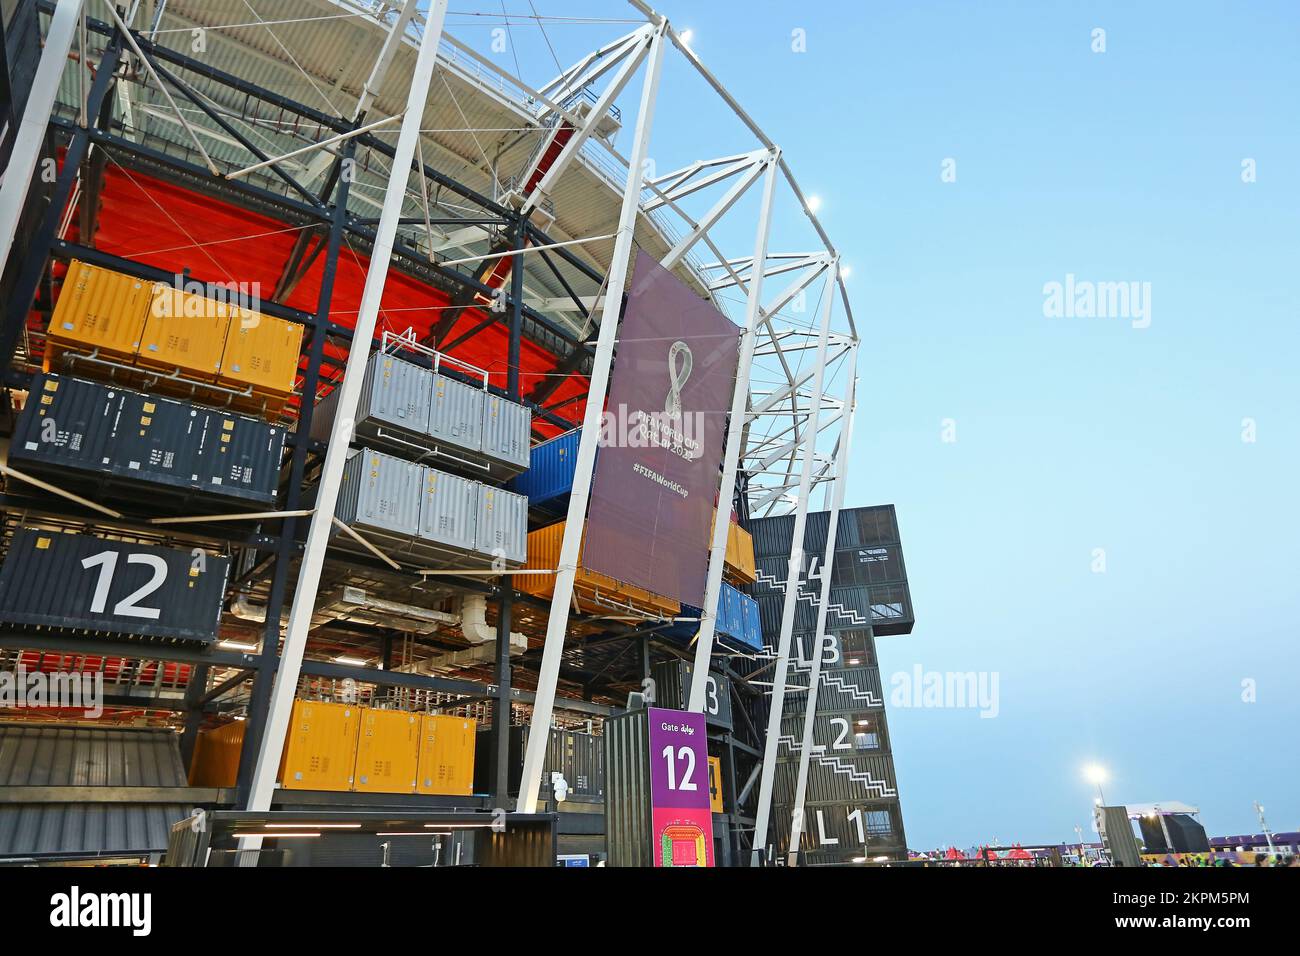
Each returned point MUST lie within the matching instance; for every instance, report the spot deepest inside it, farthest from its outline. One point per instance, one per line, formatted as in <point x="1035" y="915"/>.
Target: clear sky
<point x="1072" y="434"/>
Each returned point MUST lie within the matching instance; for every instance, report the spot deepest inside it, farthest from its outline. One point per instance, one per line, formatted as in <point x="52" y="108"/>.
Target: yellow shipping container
<point x="544" y="553"/>
<point x="262" y="352"/>
<point x="715" y="784"/>
<point x="321" y="750"/>
<point x="738" y="564"/>
<point x="216" y="756"/>
<point x="446" y="755"/>
<point x="388" y="751"/>
<point x="184" y="331"/>
<point x="99" y="309"/>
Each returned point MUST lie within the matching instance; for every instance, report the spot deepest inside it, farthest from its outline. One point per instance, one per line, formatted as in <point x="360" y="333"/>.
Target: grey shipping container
<point x="456" y="414"/>
<point x="502" y="524"/>
<point x="101" y="430"/>
<point x="448" y="513"/>
<point x="380" y="498"/>
<point x="507" y="431"/>
<point x="81" y="582"/>
<point x="628" y="823"/>
<point x="673" y="690"/>
<point x="393" y="410"/>
<point x="580" y="757"/>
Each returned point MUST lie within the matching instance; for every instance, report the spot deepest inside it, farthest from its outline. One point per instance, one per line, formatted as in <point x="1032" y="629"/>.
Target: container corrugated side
<point x="380" y="494"/>
<point x="184" y="332"/>
<point x="242" y="457"/>
<point x="628" y="824"/>
<point x="99" y="309"/>
<point x="260" y="352"/>
<point x="579" y="756"/>
<point x="456" y="413"/>
<point x="162" y="593"/>
<point x="448" y="513"/>
<point x="550" y="470"/>
<point x="395" y="397"/>
<point x="67" y="423"/>
<point x="216" y="756"/>
<point x="388" y="752"/>
<point x="446" y="755"/>
<point x="502" y="524"/>
<point x="161" y="440"/>
<point x="507" y="432"/>
<point x="751" y="624"/>
<point x="321" y="750"/>
<point x="589" y="586"/>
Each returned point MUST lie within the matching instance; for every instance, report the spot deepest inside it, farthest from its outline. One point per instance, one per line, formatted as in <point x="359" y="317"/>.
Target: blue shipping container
<point x="549" y="477"/>
<point x="737" y="624"/>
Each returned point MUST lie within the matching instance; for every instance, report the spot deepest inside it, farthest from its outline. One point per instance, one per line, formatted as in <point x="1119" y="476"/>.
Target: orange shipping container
<point x="738" y="565"/>
<point x="446" y="755"/>
<point x="216" y="756"/>
<point x="388" y="751"/>
<point x="99" y="309"/>
<point x="184" y="331"/>
<point x="589" y="586"/>
<point x="321" y="750"/>
<point x="260" y="351"/>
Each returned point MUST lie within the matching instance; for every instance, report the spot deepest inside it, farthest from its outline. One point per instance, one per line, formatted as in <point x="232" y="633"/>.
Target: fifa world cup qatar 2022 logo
<point x="673" y="429"/>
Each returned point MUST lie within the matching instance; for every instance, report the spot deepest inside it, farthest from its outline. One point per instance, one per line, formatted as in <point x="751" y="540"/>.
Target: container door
<point x="388" y="751"/>
<point x="389" y="494"/>
<point x="507" y="430"/>
<point x="322" y="747"/>
<point x="447" y="755"/>
<point x="400" y="395"/>
<point x="184" y="332"/>
<point x="99" y="309"/>
<point x="456" y="413"/>
<point x="260" y="352"/>
<point x="66" y="424"/>
<point x="502" y="524"/>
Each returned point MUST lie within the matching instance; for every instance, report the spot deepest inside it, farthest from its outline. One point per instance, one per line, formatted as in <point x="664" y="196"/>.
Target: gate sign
<point x="681" y="814"/>
<point x="656" y="478"/>
<point x="52" y="579"/>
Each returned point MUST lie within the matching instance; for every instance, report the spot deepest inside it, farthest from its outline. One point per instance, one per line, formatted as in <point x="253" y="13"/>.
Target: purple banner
<point x="681" y="815"/>
<point x="657" y="474"/>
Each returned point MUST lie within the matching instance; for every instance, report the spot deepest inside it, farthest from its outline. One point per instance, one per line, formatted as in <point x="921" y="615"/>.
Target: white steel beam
<point x="557" y="623"/>
<point x="795" y="569"/>
<point x="823" y="603"/>
<point x="719" y="210"/>
<point x="634" y="56"/>
<point x="30" y="136"/>
<point x="731" y="455"/>
<point x="320" y="527"/>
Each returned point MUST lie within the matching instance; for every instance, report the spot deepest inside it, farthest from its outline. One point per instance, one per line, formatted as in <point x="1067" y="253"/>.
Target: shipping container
<point x="449" y="513"/>
<point x="594" y="592"/>
<point x="184" y="332"/>
<point x="502" y="525"/>
<point x="261" y="352"/>
<point x="715" y="784"/>
<point x="446" y="755"/>
<point x="321" y="750"/>
<point x="737" y="611"/>
<point x="380" y="498"/>
<point x="579" y="756"/>
<point x="78" y="581"/>
<point x="99" y="310"/>
<point x="456" y="414"/>
<point x="549" y="477"/>
<point x="673" y="690"/>
<point x="388" y="752"/>
<point x="97" y="430"/>
<point x="507" y="435"/>
<point x="739" y="564"/>
<point x="393" y="410"/>
<point x="751" y="624"/>
<point x="216" y="756"/>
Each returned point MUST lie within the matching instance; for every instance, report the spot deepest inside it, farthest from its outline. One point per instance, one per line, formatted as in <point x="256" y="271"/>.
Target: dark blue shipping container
<point x="549" y="477"/>
<point x="737" y="624"/>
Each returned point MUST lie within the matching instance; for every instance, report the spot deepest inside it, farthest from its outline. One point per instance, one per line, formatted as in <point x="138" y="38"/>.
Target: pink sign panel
<point x="679" y="789"/>
<point x="657" y="474"/>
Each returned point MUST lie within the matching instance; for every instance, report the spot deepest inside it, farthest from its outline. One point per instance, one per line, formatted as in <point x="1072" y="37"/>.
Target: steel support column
<point x="321" y="526"/>
<point x="558" y="622"/>
<point x="735" y="429"/>
<point x="823" y="604"/>
<point x="772" y="741"/>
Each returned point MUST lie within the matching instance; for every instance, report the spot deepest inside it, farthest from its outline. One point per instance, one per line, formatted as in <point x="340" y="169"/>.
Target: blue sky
<point x="1073" y="434"/>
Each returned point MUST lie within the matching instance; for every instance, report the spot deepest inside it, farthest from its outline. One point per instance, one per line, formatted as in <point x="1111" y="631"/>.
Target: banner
<point x="681" y="812"/>
<point x="657" y="471"/>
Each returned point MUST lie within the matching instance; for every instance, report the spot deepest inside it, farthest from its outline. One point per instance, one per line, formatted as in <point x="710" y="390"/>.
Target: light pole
<point x="1078" y="832"/>
<point x="1263" y="824"/>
